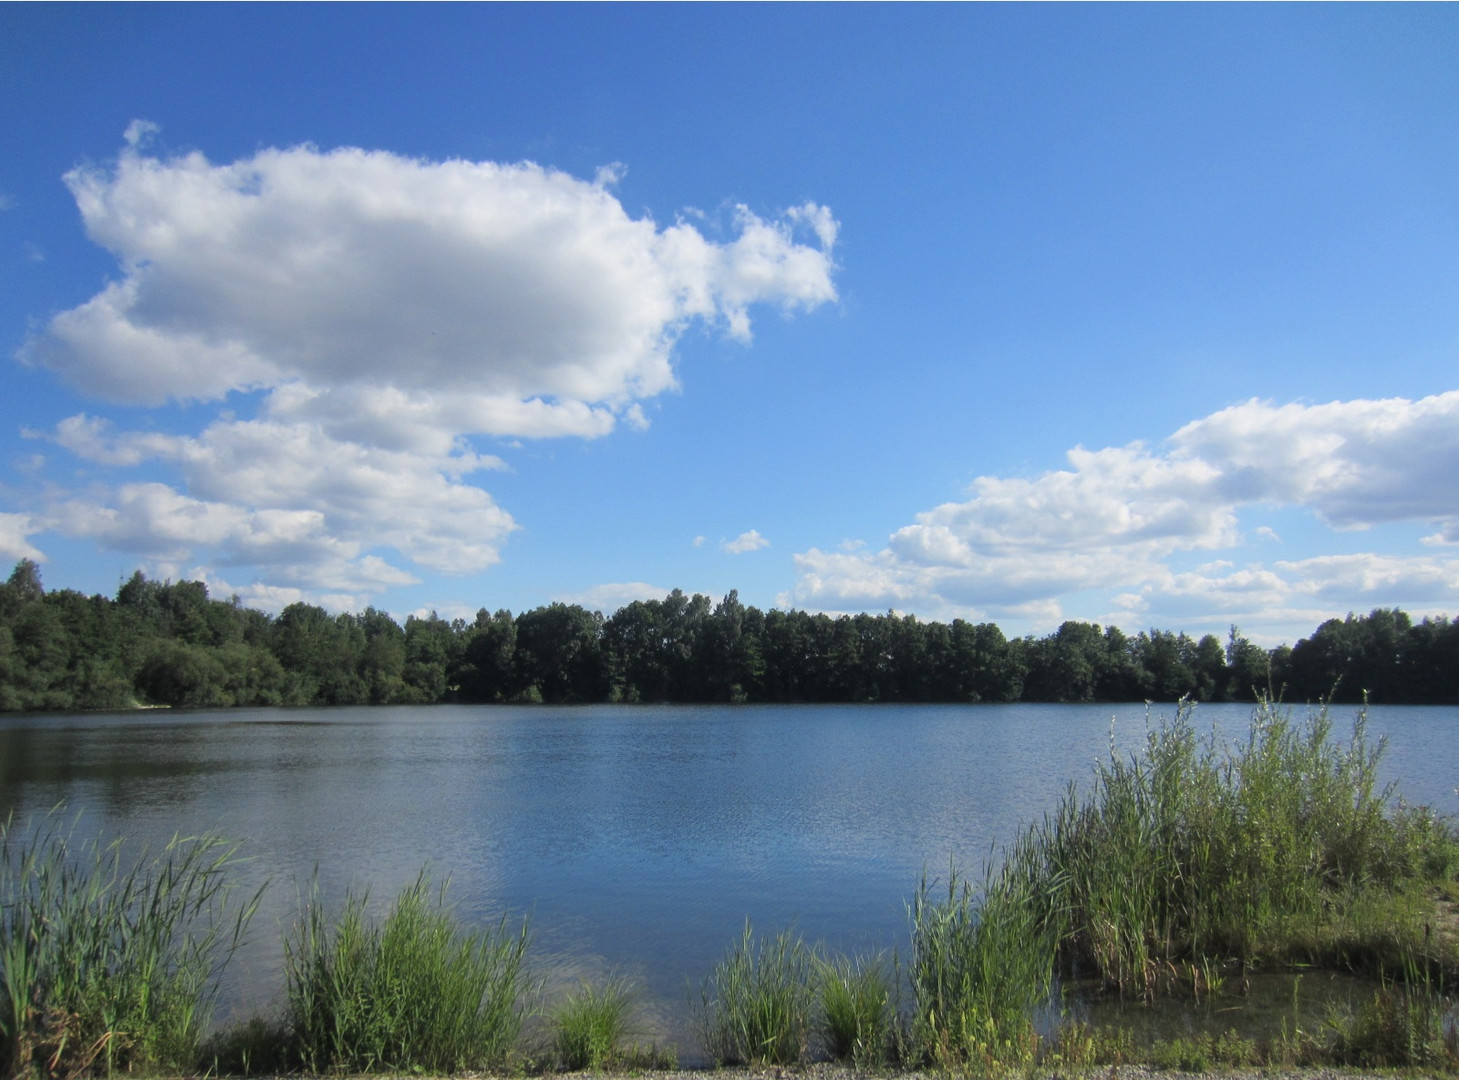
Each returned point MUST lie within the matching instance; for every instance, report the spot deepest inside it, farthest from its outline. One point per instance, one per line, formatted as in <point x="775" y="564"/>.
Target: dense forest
<point x="169" y="643"/>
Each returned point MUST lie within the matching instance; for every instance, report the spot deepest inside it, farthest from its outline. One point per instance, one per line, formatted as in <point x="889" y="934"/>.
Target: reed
<point x="1182" y="857"/>
<point x="981" y="963"/>
<point x="858" y="1009"/>
<point x="110" y="957"/>
<point x="756" y="1006"/>
<point x="1194" y="850"/>
<point x="415" y="992"/>
<point x="591" y="1025"/>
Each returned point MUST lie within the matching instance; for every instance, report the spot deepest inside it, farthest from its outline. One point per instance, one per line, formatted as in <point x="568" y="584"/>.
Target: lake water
<point x="636" y="839"/>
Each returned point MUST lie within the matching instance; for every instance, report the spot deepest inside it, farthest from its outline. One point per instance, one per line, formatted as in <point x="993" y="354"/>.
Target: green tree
<point x="558" y="655"/>
<point x="488" y="657"/>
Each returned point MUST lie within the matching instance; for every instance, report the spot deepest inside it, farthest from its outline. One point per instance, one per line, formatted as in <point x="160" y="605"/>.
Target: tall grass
<point x="1193" y="849"/>
<point x="109" y="957"/>
<point x="858" y="1021"/>
<point x="1282" y="847"/>
<point x="757" y="1006"/>
<point x="981" y="963"/>
<point x="414" y="992"/>
<point x="591" y="1024"/>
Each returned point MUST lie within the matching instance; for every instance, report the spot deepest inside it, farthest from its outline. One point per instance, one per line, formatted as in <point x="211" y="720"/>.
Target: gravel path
<point x="832" y="1071"/>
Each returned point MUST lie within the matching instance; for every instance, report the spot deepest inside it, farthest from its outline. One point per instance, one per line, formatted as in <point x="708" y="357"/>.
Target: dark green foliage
<point x="166" y="643"/>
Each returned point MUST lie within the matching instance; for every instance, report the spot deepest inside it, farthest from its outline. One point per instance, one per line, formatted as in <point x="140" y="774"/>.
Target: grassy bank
<point x="1175" y="871"/>
<point x="1190" y="863"/>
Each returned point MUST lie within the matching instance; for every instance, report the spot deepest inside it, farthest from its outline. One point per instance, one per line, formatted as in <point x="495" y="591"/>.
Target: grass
<point x="592" y="1024"/>
<point x="1181" y="859"/>
<point x="1176" y="866"/>
<point x="109" y="958"/>
<point x="859" y="1022"/>
<point x="414" y="992"/>
<point x="757" y="1006"/>
<point x="981" y="964"/>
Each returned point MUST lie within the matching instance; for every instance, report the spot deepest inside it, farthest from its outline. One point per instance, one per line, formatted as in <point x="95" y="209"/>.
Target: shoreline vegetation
<point x="160" y="644"/>
<point x="1175" y="872"/>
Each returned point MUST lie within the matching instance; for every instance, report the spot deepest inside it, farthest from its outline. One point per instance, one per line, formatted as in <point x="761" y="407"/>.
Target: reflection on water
<point x="1259" y="1007"/>
<point x="637" y="839"/>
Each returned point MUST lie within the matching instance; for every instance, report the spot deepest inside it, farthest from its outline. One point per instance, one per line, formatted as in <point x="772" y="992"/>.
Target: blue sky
<point x="1141" y="315"/>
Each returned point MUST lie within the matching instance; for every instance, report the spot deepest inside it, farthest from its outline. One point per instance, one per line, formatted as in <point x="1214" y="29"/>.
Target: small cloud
<point x="1266" y="532"/>
<point x="7" y="202"/>
<point x="610" y="597"/>
<point x="15" y="533"/>
<point x="699" y="541"/>
<point x="746" y="541"/>
<point x="1448" y="534"/>
<point x="140" y="132"/>
<point x="32" y="251"/>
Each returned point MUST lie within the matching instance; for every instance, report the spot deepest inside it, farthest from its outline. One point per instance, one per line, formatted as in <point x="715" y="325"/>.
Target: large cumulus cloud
<point x="1126" y="520"/>
<point x="384" y="310"/>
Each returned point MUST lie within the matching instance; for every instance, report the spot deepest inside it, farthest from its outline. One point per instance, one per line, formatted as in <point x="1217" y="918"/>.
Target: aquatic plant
<point x="1194" y="850"/>
<point x="981" y="963"/>
<point x="414" y="992"/>
<point x="592" y="1022"/>
<point x="858" y="1009"/>
<point x="756" y="1006"/>
<point x="110" y="956"/>
<point x="1283" y="847"/>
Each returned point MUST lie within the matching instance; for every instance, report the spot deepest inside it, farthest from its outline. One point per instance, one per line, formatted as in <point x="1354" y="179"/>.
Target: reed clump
<point x="859" y="1021"/>
<point x="593" y="1023"/>
<point x="982" y="962"/>
<point x="414" y="992"/>
<point x="1279" y="848"/>
<point x="757" y="1006"/>
<point x="110" y="957"/>
<point x="1182" y="859"/>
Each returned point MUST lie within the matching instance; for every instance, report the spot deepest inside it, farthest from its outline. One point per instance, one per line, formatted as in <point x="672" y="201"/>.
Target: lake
<point x="635" y="839"/>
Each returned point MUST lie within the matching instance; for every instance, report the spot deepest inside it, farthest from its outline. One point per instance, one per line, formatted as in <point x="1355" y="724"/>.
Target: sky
<point x="1140" y="315"/>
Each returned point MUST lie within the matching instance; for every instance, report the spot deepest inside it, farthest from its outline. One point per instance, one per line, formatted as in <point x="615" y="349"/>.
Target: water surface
<point x="636" y="839"/>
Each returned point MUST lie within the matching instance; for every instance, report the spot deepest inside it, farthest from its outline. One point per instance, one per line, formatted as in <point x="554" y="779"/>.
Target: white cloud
<point x="486" y="296"/>
<point x="15" y="530"/>
<point x="385" y="309"/>
<point x="746" y="541"/>
<point x="265" y="493"/>
<point x="1117" y="520"/>
<point x="608" y="598"/>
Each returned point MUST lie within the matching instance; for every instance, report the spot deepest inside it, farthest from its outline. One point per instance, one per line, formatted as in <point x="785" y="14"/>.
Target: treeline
<point x="169" y="643"/>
